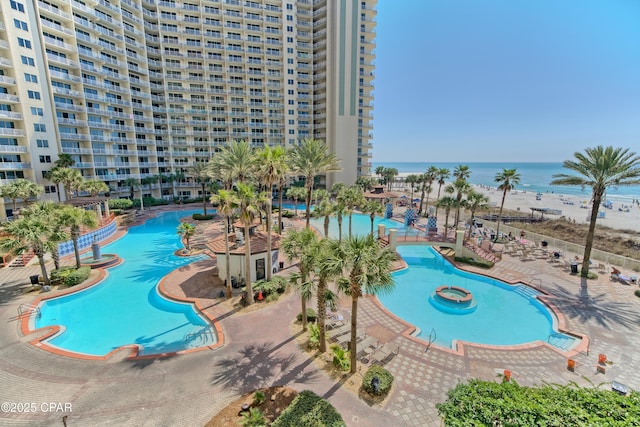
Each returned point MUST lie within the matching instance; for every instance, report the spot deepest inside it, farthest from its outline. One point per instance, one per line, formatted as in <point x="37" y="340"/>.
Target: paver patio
<point x="259" y="351"/>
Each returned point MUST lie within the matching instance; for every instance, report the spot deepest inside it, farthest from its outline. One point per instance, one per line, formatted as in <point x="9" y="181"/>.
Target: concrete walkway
<point x="260" y="351"/>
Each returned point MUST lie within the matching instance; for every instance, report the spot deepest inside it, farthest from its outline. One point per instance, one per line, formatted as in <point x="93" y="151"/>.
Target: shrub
<point x="150" y="201"/>
<point x="341" y="359"/>
<point x="490" y="403"/>
<point x="120" y="204"/>
<point x="637" y="292"/>
<point x="258" y="398"/>
<point x="287" y="214"/>
<point x="277" y="285"/>
<point x="314" y="336"/>
<point x="201" y="217"/>
<point x="309" y="410"/>
<point x="384" y="376"/>
<point x="69" y="276"/>
<point x="482" y="263"/>
<point x="272" y="297"/>
<point x="253" y="418"/>
<point x="591" y="275"/>
<point x="311" y="315"/>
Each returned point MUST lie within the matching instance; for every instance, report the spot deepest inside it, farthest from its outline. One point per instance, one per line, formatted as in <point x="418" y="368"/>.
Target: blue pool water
<point x="126" y="307"/>
<point x="292" y="206"/>
<point x="361" y="224"/>
<point x="504" y="314"/>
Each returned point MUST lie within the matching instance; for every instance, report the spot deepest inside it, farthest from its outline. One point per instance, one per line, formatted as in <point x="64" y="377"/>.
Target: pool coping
<point x="460" y="346"/>
<point x="47" y="332"/>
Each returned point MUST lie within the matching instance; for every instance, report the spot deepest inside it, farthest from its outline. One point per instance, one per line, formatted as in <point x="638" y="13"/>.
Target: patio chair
<point x="382" y="355"/>
<point x="346" y="338"/>
<point x="366" y="346"/>
<point x="336" y="333"/>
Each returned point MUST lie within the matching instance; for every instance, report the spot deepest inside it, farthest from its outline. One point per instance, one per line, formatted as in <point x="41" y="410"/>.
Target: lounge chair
<point x="336" y="333"/>
<point x="346" y="338"/>
<point x="382" y="355"/>
<point x="367" y="345"/>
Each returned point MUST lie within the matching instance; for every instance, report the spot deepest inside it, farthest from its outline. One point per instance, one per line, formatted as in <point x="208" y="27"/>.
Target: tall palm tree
<point x="131" y="183"/>
<point x="20" y="189"/>
<point x="427" y="185"/>
<point x="324" y="208"/>
<point x="75" y="218"/>
<point x="51" y="211"/>
<point x="368" y="267"/>
<point x="310" y="159"/>
<point x="448" y="203"/>
<point x="227" y="204"/>
<point x="461" y="187"/>
<point x="249" y="203"/>
<point x="389" y="175"/>
<point x="506" y="180"/>
<point x="148" y="180"/>
<point x="29" y="233"/>
<point x="200" y="172"/>
<point x="373" y="208"/>
<point x="300" y="245"/>
<point x="412" y="180"/>
<point x="324" y="295"/>
<point x="599" y="168"/>
<point x="295" y="194"/>
<point x="271" y="165"/>
<point x="234" y="161"/>
<point x="351" y="198"/>
<point x="442" y="175"/>
<point x="366" y="182"/>
<point x="69" y="178"/>
<point x="64" y="161"/>
<point x="186" y="230"/>
<point x="475" y="202"/>
<point x="96" y="186"/>
<point x="380" y="173"/>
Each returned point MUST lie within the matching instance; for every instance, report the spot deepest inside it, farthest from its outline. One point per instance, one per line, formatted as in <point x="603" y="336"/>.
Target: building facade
<point x="142" y="88"/>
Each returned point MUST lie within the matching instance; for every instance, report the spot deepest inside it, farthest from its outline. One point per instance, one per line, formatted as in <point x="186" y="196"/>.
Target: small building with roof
<point x="260" y="259"/>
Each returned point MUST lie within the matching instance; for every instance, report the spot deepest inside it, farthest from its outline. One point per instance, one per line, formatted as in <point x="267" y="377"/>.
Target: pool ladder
<point x="432" y="338"/>
<point x="206" y="336"/>
<point x="28" y="309"/>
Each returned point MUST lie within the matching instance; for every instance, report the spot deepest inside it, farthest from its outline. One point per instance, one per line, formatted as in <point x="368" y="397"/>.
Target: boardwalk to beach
<point x="260" y="351"/>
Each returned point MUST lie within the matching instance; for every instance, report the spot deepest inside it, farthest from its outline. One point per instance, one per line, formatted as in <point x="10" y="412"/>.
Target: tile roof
<point x="258" y="243"/>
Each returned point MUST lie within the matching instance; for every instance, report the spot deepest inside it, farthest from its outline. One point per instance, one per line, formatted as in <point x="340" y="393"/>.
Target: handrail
<point x="28" y="308"/>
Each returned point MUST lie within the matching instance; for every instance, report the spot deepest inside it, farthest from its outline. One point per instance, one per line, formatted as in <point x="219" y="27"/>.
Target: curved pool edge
<point x="27" y="323"/>
<point x="459" y="346"/>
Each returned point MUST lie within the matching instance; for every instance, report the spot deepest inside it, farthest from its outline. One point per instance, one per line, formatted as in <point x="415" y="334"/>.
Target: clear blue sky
<point x="505" y="80"/>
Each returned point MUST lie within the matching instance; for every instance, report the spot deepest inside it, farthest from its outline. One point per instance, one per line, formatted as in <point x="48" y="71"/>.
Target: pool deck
<point x="260" y="351"/>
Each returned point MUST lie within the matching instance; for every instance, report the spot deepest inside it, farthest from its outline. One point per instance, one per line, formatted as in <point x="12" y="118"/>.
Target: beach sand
<point x="571" y="207"/>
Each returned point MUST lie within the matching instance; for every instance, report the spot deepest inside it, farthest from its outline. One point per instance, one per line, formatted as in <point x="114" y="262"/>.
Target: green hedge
<point x="69" y="276"/>
<point x="385" y="377"/>
<point x="150" y="201"/>
<point x="474" y="262"/>
<point x="120" y="204"/>
<point x="311" y="315"/>
<point x="277" y="284"/>
<point x="309" y="410"/>
<point x="201" y="217"/>
<point x="509" y="404"/>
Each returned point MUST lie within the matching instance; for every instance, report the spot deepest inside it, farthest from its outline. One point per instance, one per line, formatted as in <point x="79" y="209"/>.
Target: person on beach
<point x="522" y="234"/>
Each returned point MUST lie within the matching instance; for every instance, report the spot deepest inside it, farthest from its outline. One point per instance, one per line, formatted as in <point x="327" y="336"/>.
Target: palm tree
<point x="351" y="198"/>
<point x="271" y="165"/>
<point x="148" y="180"/>
<point x="389" y="175"/>
<point x="295" y="193"/>
<point x="447" y="202"/>
<point x="461" y="187"/>
<point x="96" y="186"/>
<point x="310" y="159"/>
<point x="324" y="295"/>
<point x="368" y="267"/>
<point x="373" y="208"/>
<point x="64" y="161"/>
<point x="599" y="168"/>
<point x="227" y="203"/>
<point x="412" y="180"/>
<point x="506" y="179"/>
<point x="380" y="173"/>
<point x="186" y="230"/>
<point x="50" y="210"/>
<point x="249" y="204"/>
<point x="300" y="245"/>
<point x="75" y="218"/>
<point x="234" y="162"/>
<point x="200" y="172"/>
<point x="20" y="189"/>
<point x="442" y="175"/>
<point x="475" y="202"/>
<point x="131" y="183"/>
<point x="427" y="184"/>
<point x="325" y="208"/>
<point x="69" y="178"/>
<point x="30" y="233"/>
<point x="339" y="210"/>
<point x="366" y="182"/>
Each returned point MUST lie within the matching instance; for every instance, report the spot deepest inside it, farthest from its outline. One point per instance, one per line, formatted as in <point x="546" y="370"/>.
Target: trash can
<point x="281" y="264"/>
<point x="34" y="279"/>
<point x="574" y="268"/>
<point x="544" y="243"/>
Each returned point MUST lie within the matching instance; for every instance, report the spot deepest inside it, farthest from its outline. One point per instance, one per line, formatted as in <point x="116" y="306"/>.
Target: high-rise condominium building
<point x="141" y="88"/>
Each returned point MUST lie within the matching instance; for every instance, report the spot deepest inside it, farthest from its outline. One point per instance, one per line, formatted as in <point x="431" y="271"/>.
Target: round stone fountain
<point x="453" y="300"/>
<point x="99" y="260"/>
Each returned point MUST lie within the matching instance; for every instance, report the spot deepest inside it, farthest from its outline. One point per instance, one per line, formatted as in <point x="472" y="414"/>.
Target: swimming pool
<point x="126" y="308"/>
<point x="361" y="224"/>
<point x="503" y="315"/>
<point x="292" y="206"/>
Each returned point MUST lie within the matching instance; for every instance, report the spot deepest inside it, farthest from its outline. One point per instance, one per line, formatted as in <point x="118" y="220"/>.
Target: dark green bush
<point x="287" y="214"/>
<point x="120" y="204"/>
<point x="309" y="410"/>
<point x="386" y="380"/>
<point x="69" y="276"/>
<point x="637" y="292"/>
<point x="201" y="217"/>
<point x="277" y="284"/>
<point x="150" y="201"/>
<point x="311" y="315"/>
<point x="490" y="403"/>
<point x="482" y="263"/>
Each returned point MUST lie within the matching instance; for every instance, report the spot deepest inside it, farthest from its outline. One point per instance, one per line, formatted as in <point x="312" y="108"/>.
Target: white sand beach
<point x="619" y="216"/>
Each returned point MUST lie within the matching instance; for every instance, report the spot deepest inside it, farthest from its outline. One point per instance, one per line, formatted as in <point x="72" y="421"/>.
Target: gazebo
<point x="378" y="193"/>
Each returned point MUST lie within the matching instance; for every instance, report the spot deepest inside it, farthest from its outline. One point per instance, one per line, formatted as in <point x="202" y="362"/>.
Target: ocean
<point x="534" y="177"/>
